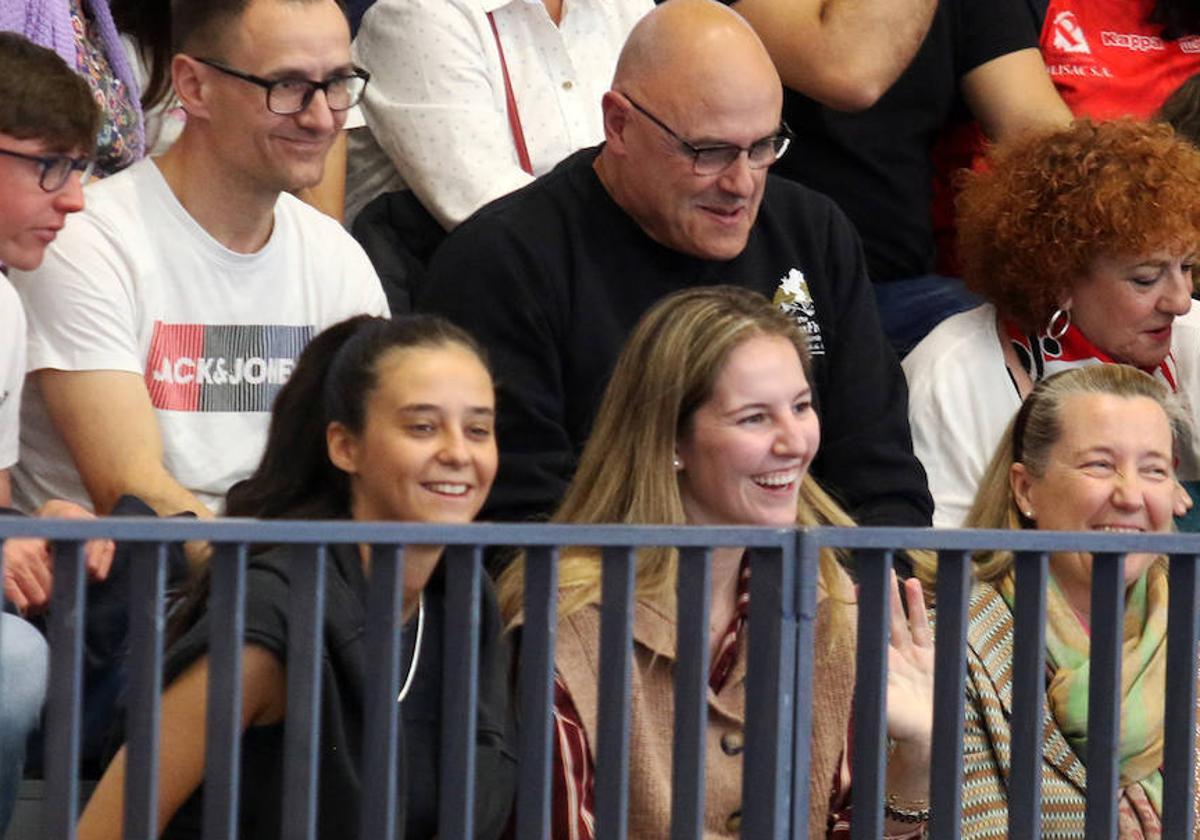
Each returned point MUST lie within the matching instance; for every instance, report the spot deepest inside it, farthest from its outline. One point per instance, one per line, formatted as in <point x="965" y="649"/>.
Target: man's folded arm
<point x="106" y="419"/>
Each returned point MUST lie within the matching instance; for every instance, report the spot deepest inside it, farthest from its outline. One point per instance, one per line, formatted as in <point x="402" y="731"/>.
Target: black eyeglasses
<point x="291" y="96"/>
<point x="56" y="169"/>
<point x="709" y="160"/>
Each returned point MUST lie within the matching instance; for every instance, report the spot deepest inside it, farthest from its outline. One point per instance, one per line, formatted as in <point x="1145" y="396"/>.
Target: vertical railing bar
<point x="949" y="689"/>
<point x="302" y="725"/>
<point x="147" y="583"/>
<point x="693" y="598"/>
<point x="770" y="682"/>
<point x="222" y="747"/>
<point x="1179" y="786"/>
<point x="460" y="691"/>
<point x="1104" y="695"/>
<point x="1028" y="696"/>
<point x="807" y="571"/>
<point x="612" y="714"/>
<point x="381" y="723"/>
<point x="870" y="693"/>
<point x="63" y="705"/>
<point x="536" y="686"/>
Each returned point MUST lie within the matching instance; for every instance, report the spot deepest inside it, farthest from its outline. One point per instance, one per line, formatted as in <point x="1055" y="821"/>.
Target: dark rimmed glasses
<point x="56" y="169"/>
<point x="292" y="95"/>
<point x="710" y="160"/>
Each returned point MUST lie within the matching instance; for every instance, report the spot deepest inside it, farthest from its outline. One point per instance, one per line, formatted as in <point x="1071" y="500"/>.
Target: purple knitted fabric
<point x="48" y="23"/>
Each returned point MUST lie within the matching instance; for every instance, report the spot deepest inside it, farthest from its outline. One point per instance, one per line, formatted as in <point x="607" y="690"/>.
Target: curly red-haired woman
<point x="1083" y="242"/>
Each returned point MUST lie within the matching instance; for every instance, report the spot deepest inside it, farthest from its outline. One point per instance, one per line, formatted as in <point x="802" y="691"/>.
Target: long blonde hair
<point x="666" y="371"/>
<point x="1030" y="436"/>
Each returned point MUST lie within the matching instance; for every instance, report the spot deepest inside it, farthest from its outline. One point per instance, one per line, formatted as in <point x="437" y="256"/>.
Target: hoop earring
<point x="1058" y="324"/>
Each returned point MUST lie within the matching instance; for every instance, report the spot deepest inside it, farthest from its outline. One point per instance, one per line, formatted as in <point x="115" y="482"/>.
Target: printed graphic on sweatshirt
<point x="221" y="367"/>
<point x="793" y="297"/>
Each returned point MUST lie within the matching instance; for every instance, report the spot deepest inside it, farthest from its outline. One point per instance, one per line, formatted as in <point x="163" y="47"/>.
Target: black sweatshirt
<point x="344" y="673"/>
<point x="553" y="278"/>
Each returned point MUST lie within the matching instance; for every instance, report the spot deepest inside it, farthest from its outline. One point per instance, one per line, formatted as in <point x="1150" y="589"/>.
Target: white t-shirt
<point x="961" y="399"/>
<point x="134" y="283"/>
<point x="12" y="371"/>
<point x="436" y="110"/>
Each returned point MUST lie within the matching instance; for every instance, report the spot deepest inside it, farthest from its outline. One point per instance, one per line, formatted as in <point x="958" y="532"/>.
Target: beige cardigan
<point x="652" y="717"/>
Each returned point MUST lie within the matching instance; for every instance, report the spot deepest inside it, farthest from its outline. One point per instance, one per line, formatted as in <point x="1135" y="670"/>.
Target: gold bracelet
<point x="906" y="811"/>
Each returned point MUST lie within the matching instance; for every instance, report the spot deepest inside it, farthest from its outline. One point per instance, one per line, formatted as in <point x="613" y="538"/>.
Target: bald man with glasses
<point x="553" y="277"/>
<point x="170" y="312"/>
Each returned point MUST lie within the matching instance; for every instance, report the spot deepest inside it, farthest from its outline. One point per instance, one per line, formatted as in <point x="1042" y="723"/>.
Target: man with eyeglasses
<point x="554" y="277"/>
<point x="48" y="124"/>
<point x="170" y="313"/>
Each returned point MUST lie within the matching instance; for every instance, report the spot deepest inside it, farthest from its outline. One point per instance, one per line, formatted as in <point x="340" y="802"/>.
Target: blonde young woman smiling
<point x="709" y="420"/>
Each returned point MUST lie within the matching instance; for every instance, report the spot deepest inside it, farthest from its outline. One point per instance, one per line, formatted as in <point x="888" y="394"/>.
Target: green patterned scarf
<point x="1143" y="676"/>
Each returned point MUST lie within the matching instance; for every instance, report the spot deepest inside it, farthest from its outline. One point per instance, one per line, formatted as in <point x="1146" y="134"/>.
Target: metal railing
<point x="779" y="680"/>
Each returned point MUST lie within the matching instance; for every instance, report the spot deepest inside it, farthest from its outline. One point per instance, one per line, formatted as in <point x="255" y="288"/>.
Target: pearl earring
<point x="676" y="463"/>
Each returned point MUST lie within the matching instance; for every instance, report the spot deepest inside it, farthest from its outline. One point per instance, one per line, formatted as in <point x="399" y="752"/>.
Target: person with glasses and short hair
<point x="170" y="313"/>
<point x="553" y="278"/>
<point x="48" y="124"/>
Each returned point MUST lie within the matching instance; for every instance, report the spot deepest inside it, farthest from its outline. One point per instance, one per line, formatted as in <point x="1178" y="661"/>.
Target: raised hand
<point x="910" y="669"/>
<point x="909" y="708"/>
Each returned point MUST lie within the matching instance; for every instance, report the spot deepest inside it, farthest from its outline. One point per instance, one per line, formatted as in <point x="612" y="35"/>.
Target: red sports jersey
<point x="1108" y="61"/>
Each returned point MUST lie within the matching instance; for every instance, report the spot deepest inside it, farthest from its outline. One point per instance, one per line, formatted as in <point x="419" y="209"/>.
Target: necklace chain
<point x="416" y="657"/>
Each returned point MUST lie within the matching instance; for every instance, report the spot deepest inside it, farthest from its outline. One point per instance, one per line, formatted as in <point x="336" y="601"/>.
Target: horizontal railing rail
<point x="781" y="639"/>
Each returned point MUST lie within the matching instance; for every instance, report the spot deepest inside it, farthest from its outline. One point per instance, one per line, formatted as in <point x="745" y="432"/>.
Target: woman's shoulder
<point x="1185" y="337"/>
<point x="267" y="587"/>
<point x="958" y="343"/>
<point x="989" y="627"/>
<point x="958" y="379"/>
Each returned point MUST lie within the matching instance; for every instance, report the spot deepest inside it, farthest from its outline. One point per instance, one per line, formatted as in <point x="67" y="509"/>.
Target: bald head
<point x="692" y="79"/>
<point x="685" y="44"/>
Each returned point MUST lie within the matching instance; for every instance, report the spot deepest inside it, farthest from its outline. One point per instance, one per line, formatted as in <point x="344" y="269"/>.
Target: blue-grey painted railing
<point x="779" y="680"/>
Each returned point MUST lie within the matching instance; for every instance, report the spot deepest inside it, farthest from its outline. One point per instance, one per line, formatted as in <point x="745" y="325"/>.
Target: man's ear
<point x="616" y="117"/>
<point x="191" y="84"/>
<point x="342" y="446"/>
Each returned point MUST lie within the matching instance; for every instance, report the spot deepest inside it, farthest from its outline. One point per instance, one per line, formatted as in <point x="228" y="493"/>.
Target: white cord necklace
<point x="412" y="666"/>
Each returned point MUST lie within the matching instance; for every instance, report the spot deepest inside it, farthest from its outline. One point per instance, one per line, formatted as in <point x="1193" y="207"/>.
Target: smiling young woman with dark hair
<point x="381" y="421"/>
